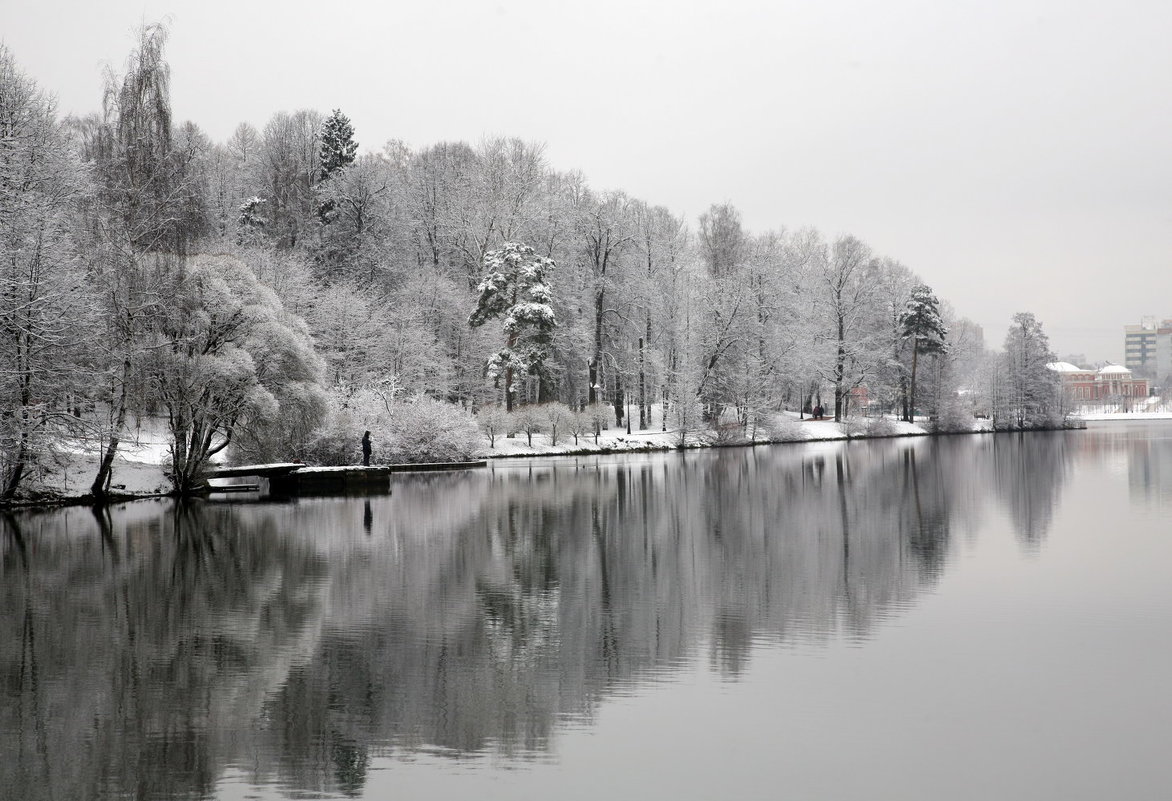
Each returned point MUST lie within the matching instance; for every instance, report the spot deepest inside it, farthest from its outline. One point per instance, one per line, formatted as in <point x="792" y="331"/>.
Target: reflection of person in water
<point x="367" y="516"/>
<point x="366" y="449"/>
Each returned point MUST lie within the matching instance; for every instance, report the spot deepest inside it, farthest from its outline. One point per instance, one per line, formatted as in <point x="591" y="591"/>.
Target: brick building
<point x="1111" y="383"/>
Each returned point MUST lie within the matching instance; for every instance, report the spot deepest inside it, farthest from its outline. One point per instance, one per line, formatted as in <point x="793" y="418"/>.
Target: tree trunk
<point x="839" y="370"/>
<point x="21" y="460"/>
<point x="17" y="469"/>
<point x="642" y="386"/>
<point x="596" y="359"/>
<point x="912" y="391"/>
<point x="510" y="343"/>
<point x="102" y="480"/>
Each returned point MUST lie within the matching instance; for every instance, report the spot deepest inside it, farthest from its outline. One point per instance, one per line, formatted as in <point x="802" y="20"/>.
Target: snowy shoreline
<point x="139" y="475"/>
<point x="139" y="472"/>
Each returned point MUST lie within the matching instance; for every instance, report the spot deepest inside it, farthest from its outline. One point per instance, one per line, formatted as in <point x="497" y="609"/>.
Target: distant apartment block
<point x="1139" y="347"/>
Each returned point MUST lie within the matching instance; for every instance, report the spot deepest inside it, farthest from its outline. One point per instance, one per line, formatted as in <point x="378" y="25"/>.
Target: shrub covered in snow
<point x="338" y="440"/>
<point x="870" y="427"/>
<point x="494" y="422"/>
<point x="599" y="416"/>
<point x="558" y="420"/>
<point x="581" y="425"/>
<point x="782" y="428"/>
<point x="419" y="429"/>
<point x="952" y="415"/>
<point x="530" y="419"/>
<point x="427" y="430"/>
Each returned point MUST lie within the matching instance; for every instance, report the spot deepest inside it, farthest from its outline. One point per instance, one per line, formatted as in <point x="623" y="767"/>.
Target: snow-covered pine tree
<point x="921" y="323"/>
<point x="514" y="287"/>
<point x="338" y="148"/>
<point x="250" y="222"/>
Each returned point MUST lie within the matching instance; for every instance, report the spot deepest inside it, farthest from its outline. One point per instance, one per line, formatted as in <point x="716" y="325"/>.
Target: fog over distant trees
<point x="264" y="293"/>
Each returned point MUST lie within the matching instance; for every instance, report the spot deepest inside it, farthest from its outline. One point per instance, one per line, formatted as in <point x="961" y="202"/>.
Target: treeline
<point x="272" y="293"/>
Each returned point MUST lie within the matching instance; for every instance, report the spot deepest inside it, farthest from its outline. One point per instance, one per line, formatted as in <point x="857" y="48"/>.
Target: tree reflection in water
<point x="158" y="646"/>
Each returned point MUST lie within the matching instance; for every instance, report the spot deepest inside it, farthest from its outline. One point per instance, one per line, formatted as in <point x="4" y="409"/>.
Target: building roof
<point x="1066" y="367"/>
<point x="1114" y="369"/>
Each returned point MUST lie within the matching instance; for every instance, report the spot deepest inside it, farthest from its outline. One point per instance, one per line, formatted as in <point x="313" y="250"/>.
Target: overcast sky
<point x="1014" y="154"/>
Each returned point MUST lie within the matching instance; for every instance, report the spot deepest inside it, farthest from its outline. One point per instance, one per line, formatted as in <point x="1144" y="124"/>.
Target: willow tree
<point x="227" y="356"/>
<point x="149" y="212"/>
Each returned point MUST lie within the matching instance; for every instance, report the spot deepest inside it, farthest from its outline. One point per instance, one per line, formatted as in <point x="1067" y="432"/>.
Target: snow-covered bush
<point x="782" y="428"/>
<point x="428" y="430"/>
<point x="580" y="425"/>
<point x="531" y="420"/>
<point x="881" y="427"/>
<point x="338" y="440"/>
<point x="415" y="430"/>
<point x="558" y="418"/>
<point x="494" y="422"/>
<point x="952" y="416"/>
<point x="599" y="416"/>
<point x="686" y="416"/>
<point x="870" y="427"/>
<point x="728" y="431"/>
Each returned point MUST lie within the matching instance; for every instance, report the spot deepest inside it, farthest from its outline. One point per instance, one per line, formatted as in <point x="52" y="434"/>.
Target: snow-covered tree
<point x="558" y="417"/>
<point x="337" y="146"/>
<point x="847" y="284"/>
<point x="288" y="169"/>
<point x="921" y="325"/>
<point x="250" y="216"/>
<point x="530" y="419"/>
<point x="359" y="205"/>
<point x="1027" y="391"/>
<point x="515" y="288"/>
<point x="45" y="313"/>
<point x="228" y="356"/>
<point x="493" y="421"/>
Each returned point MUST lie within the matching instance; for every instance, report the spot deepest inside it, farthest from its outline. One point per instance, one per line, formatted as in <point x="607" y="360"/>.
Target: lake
<point x="968" y="617"/>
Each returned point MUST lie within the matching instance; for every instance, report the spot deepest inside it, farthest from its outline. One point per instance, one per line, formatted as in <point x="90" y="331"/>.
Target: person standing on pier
<point x="366" y="449"/>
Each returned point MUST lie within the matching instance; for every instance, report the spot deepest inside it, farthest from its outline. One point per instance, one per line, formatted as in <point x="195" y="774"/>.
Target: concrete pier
<point x="291" y="480"/>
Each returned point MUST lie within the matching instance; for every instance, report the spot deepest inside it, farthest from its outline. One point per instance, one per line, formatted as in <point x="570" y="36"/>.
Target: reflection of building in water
<point x="1149" y="468"/>
<point x="479" y="611"/>
<point x="1147" y="459"/>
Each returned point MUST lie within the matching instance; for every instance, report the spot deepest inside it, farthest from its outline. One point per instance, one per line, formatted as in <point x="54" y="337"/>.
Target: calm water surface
<point x="963" y="618"/>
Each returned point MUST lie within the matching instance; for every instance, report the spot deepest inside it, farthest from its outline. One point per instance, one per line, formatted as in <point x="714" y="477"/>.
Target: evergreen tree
<point x="920" y="323"/>
<point x="338" y="148"/>
<point x="514" y="287"/>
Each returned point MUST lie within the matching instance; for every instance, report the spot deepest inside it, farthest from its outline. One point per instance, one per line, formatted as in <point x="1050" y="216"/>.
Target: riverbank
<point x="139" y="468"/>
<point x="785" y="428"/>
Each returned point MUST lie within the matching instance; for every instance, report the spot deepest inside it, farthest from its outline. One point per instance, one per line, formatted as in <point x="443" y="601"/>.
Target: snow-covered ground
<point x="1147" y="409"/>
<point x="138" y="468"/>
<point x="789" y="429"/>
<point x="132" y="475"/>
<point x="1124" y="415"/>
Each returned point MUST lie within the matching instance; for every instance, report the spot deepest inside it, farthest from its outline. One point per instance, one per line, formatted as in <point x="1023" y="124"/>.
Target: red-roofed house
<point x="1113" y="382"/>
